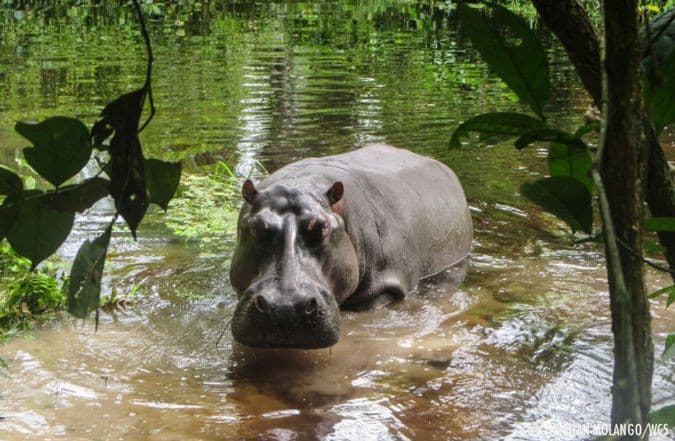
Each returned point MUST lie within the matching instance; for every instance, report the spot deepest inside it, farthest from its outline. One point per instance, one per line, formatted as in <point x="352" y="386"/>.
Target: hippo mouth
<point x="286" y="326"/>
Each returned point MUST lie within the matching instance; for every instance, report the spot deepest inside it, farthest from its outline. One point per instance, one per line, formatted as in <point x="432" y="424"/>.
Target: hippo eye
<point x="260" y="229"/>
<point x="316" y="230"/>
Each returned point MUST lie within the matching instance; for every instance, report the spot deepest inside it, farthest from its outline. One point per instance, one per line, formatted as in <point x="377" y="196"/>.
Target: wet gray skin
<point x="341" y="231"/>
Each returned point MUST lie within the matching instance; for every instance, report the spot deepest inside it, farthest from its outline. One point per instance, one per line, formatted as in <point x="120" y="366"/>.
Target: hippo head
<point x="293" y="264"/>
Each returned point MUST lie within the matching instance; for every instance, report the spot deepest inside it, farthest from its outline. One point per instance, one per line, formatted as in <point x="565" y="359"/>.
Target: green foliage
<point x="569" y="160"/>
<point x="206" y="208"/>
<point x="25" y="296"/>
<point x="660" y="95"/>
<point x="669" y="349"/>
<point x="670" y="290"/>
<point x="511" y="49"/>
<point x="60" y="147"/>
<point x="497" y="126"/>
<point x="660" y="224"/>
<point x="665" y="415"/>
<point x="565" y="197"/>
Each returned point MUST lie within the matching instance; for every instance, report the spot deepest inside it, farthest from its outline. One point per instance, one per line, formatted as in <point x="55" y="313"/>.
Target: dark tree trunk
<point x="623" y="172"/>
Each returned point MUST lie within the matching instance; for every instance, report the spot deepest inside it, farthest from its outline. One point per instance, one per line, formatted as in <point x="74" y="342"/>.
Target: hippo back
<point x="406" y="214"/>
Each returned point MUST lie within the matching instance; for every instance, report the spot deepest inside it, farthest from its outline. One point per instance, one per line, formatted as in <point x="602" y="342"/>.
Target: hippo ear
<point x="334" y="194"/>
<point x="248" y="191"/>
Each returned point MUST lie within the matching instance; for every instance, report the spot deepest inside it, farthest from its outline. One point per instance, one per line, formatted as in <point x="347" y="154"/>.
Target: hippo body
<point x="340" y="231"/>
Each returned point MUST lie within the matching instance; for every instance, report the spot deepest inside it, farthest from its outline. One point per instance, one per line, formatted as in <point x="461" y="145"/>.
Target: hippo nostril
<point x="311" y="306"/>
<point x="261" y="304"/>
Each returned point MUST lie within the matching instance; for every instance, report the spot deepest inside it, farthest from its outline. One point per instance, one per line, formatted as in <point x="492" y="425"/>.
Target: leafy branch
<point x="37" y="222"/>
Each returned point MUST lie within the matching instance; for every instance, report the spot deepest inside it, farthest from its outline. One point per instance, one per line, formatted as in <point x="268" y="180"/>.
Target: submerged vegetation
<point x="205" y="208"/>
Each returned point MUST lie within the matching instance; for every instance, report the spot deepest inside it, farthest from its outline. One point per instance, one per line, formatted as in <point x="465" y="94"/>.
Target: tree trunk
<point x="623" y="163"/>
<point x="623" y="173"/>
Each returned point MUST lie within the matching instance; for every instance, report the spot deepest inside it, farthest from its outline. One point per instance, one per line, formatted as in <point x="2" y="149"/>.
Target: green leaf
<point x="548" y="134"/>
<point x="653" y="247"/>
<point x="79" y="197"/>
<point x="670" y="290"/>
<point x="126" y="169"/>
<point x="60" y="147"/>
<point x="565" y="197"/>
<point x="84" y="288"/>
<point x="503" y="125"/>
<point x="512" y="50"/>
<point x="10" y="183"/>
<point x="38" y="230"/>
<point x="660" y="95"/>
<point x="566" y="160"/>
<point x="587" y="128"/>
<point x="660" y="224"/>
<point x="665" y="415"/>
<point x="8" y="212"/>
<point x="161" y="180"/>
<point x="669" y="351"/>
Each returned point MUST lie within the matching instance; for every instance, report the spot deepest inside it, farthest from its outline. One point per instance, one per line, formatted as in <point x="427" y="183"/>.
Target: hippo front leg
<point x="383" y="289"/>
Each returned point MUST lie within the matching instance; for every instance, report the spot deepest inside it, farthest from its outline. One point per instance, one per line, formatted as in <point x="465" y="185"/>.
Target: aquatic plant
<point x="206" y="207"/>
<point x="27" y="297"/>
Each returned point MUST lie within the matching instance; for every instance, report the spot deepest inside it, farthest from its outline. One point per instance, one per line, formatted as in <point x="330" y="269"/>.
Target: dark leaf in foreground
<point x="10" y="183"/>
<point x="84" y="288"/>
<point x="127" y="173"/>
<point x="60" y="147"/>
<point x="162" y="179"/>
<point x="38" y="230"/>
<point x="79" y="197"/>
<point x="8" y="212"/>
<point x="565" y="197"/>
<point x="499" y="125"/>
<point x="660" y="95"/>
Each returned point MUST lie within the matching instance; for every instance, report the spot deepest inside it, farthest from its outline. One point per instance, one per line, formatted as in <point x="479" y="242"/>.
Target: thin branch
<point x="227" y="325"/>
<point x="644" y="259"/>
<point x="148" y="74"/>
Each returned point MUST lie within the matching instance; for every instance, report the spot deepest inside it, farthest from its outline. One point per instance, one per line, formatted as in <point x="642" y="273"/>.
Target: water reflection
<point x="524" y="341"/>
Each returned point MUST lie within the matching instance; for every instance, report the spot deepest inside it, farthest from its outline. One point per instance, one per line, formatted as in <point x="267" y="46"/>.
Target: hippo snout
<point x="273" y="309"/>
<point x="272" y="318"/>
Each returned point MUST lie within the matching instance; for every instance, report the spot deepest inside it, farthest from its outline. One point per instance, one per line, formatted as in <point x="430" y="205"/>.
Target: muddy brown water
<point x="514" y="345"/>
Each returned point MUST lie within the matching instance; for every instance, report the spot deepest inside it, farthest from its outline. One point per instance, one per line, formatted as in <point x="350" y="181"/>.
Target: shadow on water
<point x="522" y="346"/>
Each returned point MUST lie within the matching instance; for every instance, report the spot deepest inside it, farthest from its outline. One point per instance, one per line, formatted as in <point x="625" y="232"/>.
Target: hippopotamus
<point x="341" y="231"/>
